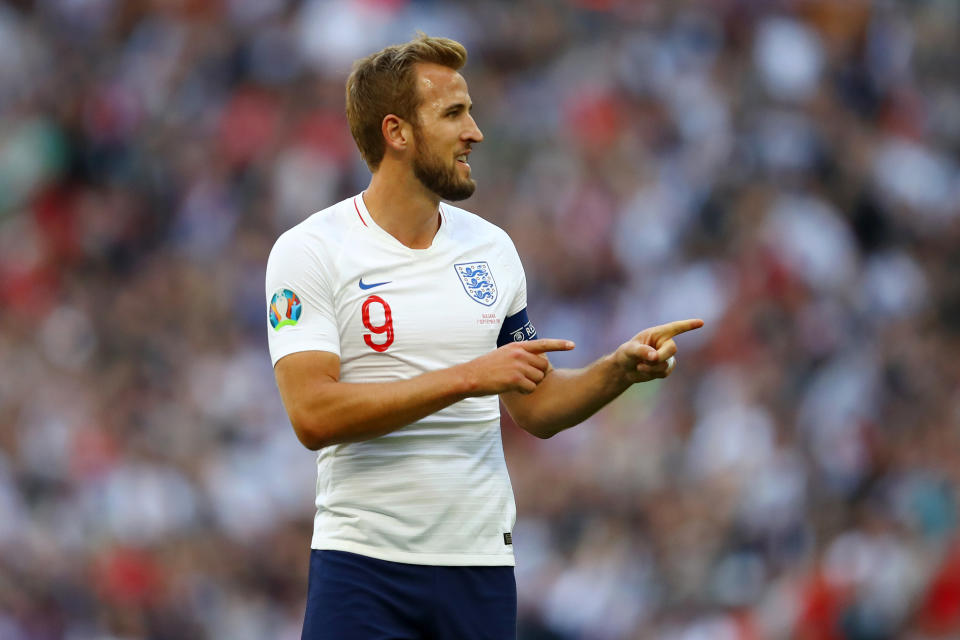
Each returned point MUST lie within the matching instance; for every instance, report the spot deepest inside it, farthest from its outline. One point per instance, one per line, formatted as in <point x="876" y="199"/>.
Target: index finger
<point x="671" y="329"/>
<point x="543" y="345"/>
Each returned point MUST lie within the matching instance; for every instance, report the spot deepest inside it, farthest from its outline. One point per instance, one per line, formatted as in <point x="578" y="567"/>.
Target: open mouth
<point x="462" y="159"/>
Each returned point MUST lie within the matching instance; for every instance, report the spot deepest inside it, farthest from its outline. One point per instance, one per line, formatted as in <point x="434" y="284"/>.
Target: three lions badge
<point x="477" y="281"/>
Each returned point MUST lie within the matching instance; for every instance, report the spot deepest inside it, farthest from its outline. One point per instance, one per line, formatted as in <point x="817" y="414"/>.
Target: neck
<point x="402" y="206"/>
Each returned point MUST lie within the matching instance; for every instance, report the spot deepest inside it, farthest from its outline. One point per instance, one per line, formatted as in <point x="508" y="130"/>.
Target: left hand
<point x="649" y="354"/>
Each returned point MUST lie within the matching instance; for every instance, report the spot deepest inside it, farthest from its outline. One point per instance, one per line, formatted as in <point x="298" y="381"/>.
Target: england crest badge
<point x="477" y="281"/>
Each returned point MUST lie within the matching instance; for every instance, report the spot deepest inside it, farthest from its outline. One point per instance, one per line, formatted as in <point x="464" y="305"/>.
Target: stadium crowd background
<point x="786" y="170"/>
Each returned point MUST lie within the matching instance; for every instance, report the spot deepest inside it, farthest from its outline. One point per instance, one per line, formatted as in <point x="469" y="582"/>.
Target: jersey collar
<point x="383" y="236"/>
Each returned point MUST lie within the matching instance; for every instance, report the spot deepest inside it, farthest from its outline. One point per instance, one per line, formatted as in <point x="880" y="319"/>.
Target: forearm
<point x="338" y="412"/>
<point x="325" y="411"/>
<point x="567" y="397"/>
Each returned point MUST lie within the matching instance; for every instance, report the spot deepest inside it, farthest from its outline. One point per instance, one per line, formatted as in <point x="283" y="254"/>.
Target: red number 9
<point x="386" y="327"/>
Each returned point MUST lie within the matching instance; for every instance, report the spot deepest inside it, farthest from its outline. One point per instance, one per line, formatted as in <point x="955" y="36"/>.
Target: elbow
<point x="308" y="438"/>
<point x="544" y="433"/>
<point x="536" y="428"/>
<point x="309" y="441"/>
<point x="312" y="433"/>
<point x="530" y="420"/>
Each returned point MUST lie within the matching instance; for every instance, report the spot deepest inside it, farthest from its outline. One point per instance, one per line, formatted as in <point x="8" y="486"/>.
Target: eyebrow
<point x="459" y="106"/>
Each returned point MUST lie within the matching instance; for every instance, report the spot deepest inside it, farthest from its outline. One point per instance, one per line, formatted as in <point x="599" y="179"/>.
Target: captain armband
<point x="516" y="328"/>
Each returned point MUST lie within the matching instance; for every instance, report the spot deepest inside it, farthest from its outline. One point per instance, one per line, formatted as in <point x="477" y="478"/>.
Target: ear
<point x="396" y="131"/>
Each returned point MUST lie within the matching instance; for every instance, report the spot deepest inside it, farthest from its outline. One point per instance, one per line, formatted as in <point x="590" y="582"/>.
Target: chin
<point x="447" y="185"/>
<point x="462" y="192"/>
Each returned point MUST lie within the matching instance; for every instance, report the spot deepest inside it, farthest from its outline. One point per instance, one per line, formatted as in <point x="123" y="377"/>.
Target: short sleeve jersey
<point x="435" y="491"/>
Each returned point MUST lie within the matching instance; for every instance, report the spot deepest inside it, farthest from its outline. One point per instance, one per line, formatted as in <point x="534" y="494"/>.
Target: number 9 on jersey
<point x="379" y="329"/>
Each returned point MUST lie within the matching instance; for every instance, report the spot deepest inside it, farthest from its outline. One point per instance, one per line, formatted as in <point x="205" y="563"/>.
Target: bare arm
<point x="567" y="397"/>
<point x="325" y="411"/>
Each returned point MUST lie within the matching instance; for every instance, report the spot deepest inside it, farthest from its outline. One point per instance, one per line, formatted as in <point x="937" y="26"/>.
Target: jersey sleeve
<point x="299" y="299"/>
<point x="516" y="326"/>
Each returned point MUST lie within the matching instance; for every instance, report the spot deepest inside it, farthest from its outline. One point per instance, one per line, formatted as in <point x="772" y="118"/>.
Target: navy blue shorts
<point x="354" y="597"/>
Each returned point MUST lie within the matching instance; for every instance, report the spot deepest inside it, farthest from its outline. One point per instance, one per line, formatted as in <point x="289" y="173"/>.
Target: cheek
<point x="433" y="151"/>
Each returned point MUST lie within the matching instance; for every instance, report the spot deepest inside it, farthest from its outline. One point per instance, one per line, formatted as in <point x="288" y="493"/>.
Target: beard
<point x="440" y="178"/>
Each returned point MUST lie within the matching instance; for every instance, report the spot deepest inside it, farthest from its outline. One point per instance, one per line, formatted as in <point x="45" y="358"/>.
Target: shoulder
<point x="466" y="225"/>
<point x="335" y="221"/>
<point x="321" y="232"/>
<point x="313" y="247"/>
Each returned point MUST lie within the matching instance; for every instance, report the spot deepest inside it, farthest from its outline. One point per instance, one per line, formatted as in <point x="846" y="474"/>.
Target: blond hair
<point x="384" y="83"/>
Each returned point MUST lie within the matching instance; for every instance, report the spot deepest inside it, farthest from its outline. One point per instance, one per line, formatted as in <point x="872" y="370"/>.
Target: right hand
<point x="518" y="366"/>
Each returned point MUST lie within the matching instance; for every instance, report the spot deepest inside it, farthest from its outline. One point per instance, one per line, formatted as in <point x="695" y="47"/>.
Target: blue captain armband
<point x="516" y="328"/>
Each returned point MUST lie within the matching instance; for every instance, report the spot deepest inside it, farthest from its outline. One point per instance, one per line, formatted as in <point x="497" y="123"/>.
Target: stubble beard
<point x="441" y="179"/>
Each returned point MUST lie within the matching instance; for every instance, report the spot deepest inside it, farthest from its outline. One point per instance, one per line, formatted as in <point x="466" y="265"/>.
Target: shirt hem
<point x="407" y="557"/>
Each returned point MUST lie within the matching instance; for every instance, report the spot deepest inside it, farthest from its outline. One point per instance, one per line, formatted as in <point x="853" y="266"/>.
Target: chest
<point x="426" y="313"/>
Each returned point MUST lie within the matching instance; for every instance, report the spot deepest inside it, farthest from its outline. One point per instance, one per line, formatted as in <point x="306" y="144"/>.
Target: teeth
<point x="462" y="157"/>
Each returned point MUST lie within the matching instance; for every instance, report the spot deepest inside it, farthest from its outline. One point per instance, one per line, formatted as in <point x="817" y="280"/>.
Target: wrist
<point x="463" y="383"/>
<point x="620" y="374"/>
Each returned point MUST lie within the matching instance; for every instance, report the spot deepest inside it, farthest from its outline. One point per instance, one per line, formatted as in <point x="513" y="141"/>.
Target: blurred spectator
<point x="786" y="170"/>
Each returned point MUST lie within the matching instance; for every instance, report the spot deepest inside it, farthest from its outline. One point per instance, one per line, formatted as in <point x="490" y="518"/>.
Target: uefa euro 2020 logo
<point x="285" y="309"/>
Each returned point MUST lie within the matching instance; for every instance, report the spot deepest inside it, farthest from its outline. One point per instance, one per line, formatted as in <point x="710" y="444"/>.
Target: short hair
<point x="385" y="83"/>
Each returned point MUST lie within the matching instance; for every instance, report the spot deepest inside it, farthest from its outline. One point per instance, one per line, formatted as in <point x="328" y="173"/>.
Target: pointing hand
<point x="518" y="366"/>
<point x="650" y="353"/>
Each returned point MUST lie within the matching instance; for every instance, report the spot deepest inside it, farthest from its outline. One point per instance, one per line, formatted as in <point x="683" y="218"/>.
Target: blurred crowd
<point x="787" y="170"/>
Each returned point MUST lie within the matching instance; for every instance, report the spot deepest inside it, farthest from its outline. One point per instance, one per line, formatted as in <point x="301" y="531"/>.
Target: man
<point x="395" y="323"/>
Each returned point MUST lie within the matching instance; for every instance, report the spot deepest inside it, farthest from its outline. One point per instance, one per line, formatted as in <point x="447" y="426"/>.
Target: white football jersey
<point x="435" y="491"/>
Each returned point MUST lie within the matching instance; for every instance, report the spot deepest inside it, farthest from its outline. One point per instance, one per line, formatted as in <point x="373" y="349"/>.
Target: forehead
<point x="440" y="86"/>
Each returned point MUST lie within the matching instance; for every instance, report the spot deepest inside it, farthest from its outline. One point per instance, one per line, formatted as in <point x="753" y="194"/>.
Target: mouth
<point x="462" y="159"/>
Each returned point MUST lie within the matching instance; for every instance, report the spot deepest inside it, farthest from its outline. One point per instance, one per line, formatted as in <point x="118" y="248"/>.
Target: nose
<point x="473" y="133"/>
